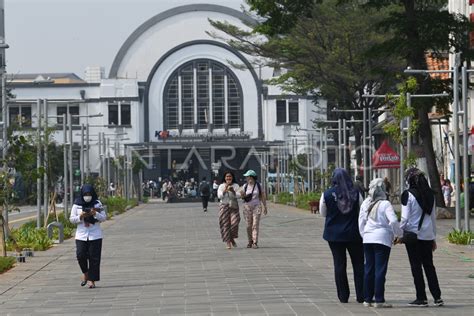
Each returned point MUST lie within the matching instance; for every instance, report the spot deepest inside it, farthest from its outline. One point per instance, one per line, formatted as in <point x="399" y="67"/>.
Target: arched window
<point x="202" y="94"/>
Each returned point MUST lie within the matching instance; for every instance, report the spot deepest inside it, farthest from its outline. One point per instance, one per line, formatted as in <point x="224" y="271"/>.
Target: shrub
<point x="284" y="198"/>
<point x="6" y="263"/>
<point x="27" y="236"/>
<point x="115" y="204"/>
<point x="302" y="200"/>
<point x="460" y="237"/>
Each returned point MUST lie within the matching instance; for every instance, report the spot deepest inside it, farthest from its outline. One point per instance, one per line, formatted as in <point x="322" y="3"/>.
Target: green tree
<point x="418" y="27"/>
<point x="323" y="49"/>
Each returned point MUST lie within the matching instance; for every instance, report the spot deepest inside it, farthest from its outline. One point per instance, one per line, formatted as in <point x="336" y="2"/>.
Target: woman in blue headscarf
<point x="87" y="212"/>
<point x="340" y="205"/>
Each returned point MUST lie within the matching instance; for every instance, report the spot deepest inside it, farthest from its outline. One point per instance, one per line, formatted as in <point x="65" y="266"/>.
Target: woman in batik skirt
<point x="229" y="217"/>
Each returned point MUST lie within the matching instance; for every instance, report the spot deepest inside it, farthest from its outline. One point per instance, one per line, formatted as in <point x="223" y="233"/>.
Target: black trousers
<point x="88" y="256"/>
<point x="205" y="201"/>
<point x="356" y="252"/>
<point x="420" y="255"/>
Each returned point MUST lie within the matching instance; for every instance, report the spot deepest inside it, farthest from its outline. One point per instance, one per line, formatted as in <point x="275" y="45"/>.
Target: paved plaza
<point x="168" y="259"/>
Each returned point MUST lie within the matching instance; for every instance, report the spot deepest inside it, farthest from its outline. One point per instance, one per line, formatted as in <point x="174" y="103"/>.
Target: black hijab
<point x="419" y="187"/>
<point x="87" y="188"/>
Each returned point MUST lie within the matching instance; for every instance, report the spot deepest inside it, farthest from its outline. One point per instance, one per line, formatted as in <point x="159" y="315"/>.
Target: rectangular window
<point x="125" y="115"/>
<point x="25" y="116"/>
<point x="172" y="122"/>
<point x="218" y="114"/>
<point x="113" y="114"/>
<point x="14" y="118"/>
<point x="188" y="115"/>
<point x="234" y="114"/>
<point x="119" y="108"/>
<point x="73" y="110"/>
<point x="293" y="112"/>
<point x="281" y="111"/>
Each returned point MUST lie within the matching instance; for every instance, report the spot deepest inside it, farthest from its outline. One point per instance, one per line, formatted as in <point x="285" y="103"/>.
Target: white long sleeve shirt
<point x="382" y="226"/>
<point x="91" y="232"/>
<point x="226" y="196"/>
<point x="411" y="215"/>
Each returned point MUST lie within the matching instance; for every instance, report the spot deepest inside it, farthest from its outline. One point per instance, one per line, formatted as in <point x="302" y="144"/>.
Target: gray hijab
<point x="376" y="194"/>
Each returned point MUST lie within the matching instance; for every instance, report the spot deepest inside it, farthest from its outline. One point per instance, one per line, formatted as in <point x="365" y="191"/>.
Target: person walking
<point x="87" y="212"/>
<point x="378" y="226"/>
<point x="340" y="205"/>
<point x="447" y="189"/>
<point x="205" y="192"/>
<point x="419" y="218"/>
<point x="254" y="205"/>
<point x="229" y="216"/>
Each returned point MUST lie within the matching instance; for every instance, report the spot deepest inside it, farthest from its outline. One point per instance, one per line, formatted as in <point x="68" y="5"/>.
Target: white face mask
<point x="87" y="198"/>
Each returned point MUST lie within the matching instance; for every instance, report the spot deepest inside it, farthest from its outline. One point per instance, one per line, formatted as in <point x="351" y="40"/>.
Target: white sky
<point x="69" y="35"/>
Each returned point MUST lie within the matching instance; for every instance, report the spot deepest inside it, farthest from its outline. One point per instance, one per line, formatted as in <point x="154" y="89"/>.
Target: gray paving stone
<point x="168" y="259"/>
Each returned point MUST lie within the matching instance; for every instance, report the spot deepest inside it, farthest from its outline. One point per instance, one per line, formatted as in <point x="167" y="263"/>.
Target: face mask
<point x="87" y="199"/>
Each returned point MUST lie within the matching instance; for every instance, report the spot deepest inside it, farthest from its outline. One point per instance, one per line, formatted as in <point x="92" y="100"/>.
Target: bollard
<point x="61" y="231"/>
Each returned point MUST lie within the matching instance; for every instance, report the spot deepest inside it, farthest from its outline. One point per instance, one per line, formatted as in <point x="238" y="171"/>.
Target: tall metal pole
<point x="88" y="151"/>
<point x="465" y="153"/>
<point x="364" y="146"/>
<point x="402" y="154"/>
<point x="108" y="162"/>
<point x="82" y="155"/>
<point x="104" y="162"/>
<point x="38" y="165"/>
<point x="45" y="160"/>
<point x="326" y="154"/>
<point x="65" y="176"/>
<point x="344" y="144"/>
<point x="100" y="155"/>
<point x="71" y="143"/>
<point x="339" y="138"/>
<point x="321" y="158"/>
<point x="457" y="171"/>
<point x="4" y="106"/>
<point x="308" y="156"/>
<point x="371" y="146"/>
<point x="408" y="126"/>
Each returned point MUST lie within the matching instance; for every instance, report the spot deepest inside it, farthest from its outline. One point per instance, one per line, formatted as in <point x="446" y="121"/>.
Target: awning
<point x="385" y="157"/>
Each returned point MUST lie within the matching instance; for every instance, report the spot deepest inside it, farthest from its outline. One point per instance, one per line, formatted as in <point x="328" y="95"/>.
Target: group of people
<point x="254" y="205"/>
<point x="367" y="229"/>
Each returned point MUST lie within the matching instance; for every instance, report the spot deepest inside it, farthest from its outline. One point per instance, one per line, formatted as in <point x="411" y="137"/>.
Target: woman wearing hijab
<point x="229" y="216"/>
<point x="340" y="205"/>
<point x="419" y="217"/>
<point x="87" y="212"/>
<point x="378" y="225"/>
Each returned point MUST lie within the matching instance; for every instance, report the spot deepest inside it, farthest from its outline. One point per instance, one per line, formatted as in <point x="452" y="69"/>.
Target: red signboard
<point x="385" y="157"/>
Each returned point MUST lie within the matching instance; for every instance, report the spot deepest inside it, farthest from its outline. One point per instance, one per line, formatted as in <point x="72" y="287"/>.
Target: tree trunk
<point x="3" y="247"/>
<point x="427" y="138"/>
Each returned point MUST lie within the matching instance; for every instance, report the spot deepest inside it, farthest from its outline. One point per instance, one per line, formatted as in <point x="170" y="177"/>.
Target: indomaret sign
<point x="385" y="157"/>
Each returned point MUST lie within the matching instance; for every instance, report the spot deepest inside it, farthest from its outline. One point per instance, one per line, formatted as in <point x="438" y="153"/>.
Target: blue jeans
<point x="376" y="264"/>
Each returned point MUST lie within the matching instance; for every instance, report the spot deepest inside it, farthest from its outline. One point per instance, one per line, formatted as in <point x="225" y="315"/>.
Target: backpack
<point x="205" y="189"/>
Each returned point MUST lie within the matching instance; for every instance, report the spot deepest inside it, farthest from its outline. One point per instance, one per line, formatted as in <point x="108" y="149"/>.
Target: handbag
<point x="410" y="238"/>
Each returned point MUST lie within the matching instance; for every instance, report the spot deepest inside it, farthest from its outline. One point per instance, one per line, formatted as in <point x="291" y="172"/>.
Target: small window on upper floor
<point x="73" y="110"/>
<point x="20" y="115"/>
<point x="120" y="113"/>
<point x="281" y="111"/>
<point x="293" y="112"/>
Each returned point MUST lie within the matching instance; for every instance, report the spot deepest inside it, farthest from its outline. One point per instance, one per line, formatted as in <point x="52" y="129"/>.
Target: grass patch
<point x="6" y="263"/>
<point x="302" y="200"/>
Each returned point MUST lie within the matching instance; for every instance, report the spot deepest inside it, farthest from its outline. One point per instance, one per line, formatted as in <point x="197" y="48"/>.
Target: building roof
<point x="51" y="78"/>
<point x="438" y="61"/>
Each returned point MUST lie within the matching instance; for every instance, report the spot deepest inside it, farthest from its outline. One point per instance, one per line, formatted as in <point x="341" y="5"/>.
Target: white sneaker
<point x="382" y="305"/>
<point x="367" y="304"/>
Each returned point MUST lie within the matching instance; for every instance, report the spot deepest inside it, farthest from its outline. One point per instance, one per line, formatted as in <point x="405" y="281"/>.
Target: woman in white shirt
<point x="229" y="216"/>
<point x="419" y="216"/>
<point x="378" y="226"/>
<point x="87" y="212"/>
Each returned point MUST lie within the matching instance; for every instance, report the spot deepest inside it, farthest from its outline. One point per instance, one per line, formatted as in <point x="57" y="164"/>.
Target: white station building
<point x="175" y="95"/>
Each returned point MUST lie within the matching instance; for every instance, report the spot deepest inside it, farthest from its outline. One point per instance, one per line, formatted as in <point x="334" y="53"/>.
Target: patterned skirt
<point x="229" y="219"/>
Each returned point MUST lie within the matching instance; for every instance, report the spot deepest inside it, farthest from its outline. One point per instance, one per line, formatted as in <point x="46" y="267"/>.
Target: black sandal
<point x="249" y="245"/>
<point x="83" y="283"/>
